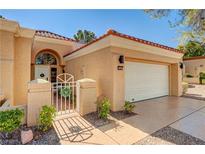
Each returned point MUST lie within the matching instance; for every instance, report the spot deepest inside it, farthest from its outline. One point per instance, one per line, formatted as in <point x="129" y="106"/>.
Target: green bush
<point x="128" y="107"/>
<point x="201" y="77"/>
<point x="46" y="117"/>
<point x="104" y="108"/>
<point x="10" y="120"/>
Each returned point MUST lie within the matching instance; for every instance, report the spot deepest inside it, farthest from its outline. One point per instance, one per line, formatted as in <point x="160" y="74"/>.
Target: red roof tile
<point x="115" y="33"/>
<point x="194" y="58"/>
<point x="48" y="34"/>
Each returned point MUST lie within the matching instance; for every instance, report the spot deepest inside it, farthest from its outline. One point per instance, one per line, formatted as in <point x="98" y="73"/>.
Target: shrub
<point x="185" y="87"/>
<point x="201" y="77"/>
<point x="10" y="120"/>
<point x="128" y="107"/>
<point x="104" y="108"/>
<point x="46" y="117"/>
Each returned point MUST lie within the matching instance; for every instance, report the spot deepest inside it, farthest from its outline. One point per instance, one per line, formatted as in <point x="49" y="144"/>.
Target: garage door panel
<point x="145" y="81"/>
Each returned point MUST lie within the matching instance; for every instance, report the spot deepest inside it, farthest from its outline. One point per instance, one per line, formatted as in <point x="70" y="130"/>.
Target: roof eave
<point x="117" y="41"/>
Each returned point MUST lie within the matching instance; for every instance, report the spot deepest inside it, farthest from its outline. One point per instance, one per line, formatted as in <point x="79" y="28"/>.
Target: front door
<point x="42" y="72"/>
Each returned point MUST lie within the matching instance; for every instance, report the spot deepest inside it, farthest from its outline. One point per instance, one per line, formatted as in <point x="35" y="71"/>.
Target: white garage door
<point x="144" y="81"/>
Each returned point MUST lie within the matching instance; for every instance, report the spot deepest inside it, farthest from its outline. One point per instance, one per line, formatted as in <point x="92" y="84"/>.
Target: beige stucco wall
<point x="53" y="46"/>
<point x="15" y="67"/>
<point x="59" y="47"/>
<point x="102" y="66"/>
<point x="194" y="67"/>
<point x="86" y="96"/>
<point x="7" y="63"/>
<point x="97" y="66"/>
<point x="22" y="69"/>
<point x="39" y="94"/>
<point x="15" y="59"/>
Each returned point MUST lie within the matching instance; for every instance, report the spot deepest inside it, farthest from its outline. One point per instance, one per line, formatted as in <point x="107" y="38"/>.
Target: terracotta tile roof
<point x="194" y="58"/>
<point x="48" y="34"/>
<point x="115" y="33"/>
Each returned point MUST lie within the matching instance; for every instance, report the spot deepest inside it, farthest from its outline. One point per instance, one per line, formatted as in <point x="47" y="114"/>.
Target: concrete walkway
<point x="196" y="91"/>
<point x="184" y="114"/>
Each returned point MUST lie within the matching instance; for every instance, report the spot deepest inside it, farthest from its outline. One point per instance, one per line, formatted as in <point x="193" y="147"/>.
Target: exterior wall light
<point x="181" y="65"/>
<point x="121" y="59"/>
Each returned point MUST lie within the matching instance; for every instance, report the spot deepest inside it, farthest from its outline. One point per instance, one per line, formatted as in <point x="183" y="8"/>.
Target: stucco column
<point x="176" y="80"/>
<point x="39" y="94"/>
<point x="118" y="98"/>
<point x="86" y="96"/>
<point x="7" y="64"/>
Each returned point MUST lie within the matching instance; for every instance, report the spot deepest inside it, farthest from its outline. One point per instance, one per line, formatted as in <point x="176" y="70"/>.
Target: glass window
<point x="46" y="59"/>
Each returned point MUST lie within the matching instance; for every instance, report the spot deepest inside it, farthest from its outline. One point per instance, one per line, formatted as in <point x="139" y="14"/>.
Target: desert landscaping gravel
<point x="48" y="138"/>
<point x="168" y="136"/>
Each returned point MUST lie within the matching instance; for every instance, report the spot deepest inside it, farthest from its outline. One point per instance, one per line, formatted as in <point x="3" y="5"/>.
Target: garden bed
<point x="120" y="115"/>
<point x="40" y="138"/>
<point x="94" y="119"/>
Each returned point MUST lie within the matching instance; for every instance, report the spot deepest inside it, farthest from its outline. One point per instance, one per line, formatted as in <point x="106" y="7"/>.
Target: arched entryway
<point x="47" y="65"/>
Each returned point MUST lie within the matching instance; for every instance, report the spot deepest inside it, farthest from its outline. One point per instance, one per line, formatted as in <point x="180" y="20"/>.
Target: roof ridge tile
<point x="48" y="34"/>
<point x="115" y="33"/>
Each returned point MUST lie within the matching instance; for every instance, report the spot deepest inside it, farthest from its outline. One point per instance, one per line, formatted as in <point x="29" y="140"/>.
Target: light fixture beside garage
<point x="121" y="59"/>
<point x="181" y="65"/>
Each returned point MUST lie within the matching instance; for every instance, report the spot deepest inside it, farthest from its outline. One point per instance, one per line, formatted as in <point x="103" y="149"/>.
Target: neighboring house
<point x="193" y="66"/>
<point x="124" y="67"/>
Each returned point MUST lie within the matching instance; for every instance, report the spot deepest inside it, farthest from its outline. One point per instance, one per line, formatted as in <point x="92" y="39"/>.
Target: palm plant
<point x="84" y="36"/>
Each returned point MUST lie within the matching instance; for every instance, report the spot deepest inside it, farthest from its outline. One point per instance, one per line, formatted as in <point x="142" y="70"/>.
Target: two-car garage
<point x="145" y="80"/>
<point x="127" y="68"/>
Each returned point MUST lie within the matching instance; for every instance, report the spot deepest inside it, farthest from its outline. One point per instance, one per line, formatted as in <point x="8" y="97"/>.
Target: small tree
<point x="192" y="49"/>
<point x="192" y="19"/>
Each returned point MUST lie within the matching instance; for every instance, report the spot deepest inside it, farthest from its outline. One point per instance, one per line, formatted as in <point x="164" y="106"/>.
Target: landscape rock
<point x="26" y="136"/>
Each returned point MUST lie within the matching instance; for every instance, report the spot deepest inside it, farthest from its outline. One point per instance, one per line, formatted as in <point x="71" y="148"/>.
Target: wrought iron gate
<point x="65" y="94"/>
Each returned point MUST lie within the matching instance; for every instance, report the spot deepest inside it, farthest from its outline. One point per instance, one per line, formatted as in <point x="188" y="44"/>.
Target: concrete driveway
<point x="183" y="114"/>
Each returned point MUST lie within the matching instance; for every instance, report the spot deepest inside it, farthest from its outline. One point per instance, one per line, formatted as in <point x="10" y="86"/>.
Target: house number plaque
<point x="119" y="67"/>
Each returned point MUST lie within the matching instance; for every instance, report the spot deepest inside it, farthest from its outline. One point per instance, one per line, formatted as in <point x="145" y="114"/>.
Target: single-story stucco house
<point x="124" y="67"/>
<point x="21" y="54"/>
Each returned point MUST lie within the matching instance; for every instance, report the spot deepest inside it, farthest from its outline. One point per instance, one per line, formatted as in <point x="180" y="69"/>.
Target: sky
<point x="67" y="22"/>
